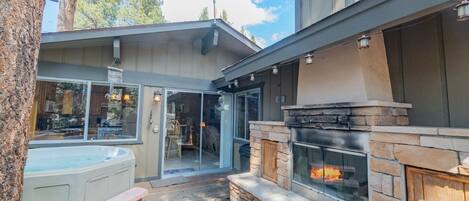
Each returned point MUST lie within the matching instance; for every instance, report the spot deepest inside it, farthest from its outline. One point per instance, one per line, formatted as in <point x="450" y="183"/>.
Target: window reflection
<point x="113" y="113"/>
<point x="59" y="108"/>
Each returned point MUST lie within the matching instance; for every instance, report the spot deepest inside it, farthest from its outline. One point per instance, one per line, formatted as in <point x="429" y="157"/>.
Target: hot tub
<point x="81" y="173"/>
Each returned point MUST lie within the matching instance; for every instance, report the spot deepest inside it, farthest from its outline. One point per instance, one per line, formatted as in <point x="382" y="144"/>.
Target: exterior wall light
<point x="309" y="58"/>
<point x="235" y="83"/>
<point x="363" y="42"/>
<point x="252" y="78"/>
<point x="229" y="86"/>
<point x="463" y="10"/>
<point x="275" y="70"/>
<point x="157" y="96"/>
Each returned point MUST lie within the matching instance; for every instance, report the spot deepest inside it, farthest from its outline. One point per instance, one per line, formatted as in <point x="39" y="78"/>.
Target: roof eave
<point x="359" y="18"/>
<point x="58" y="37"/>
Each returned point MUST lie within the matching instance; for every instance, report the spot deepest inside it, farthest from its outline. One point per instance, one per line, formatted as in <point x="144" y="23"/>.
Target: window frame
<point x="235" y="106"/>
<point x="84" y="140"/>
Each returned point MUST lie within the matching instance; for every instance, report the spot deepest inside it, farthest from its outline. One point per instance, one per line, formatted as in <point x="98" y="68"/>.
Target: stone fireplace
<point x="270" y="156"/>
<point x="330" y="144"/>
<point x="338" y="171"/>
<point x="419" y="163"/>
<point x="320" y="152"/>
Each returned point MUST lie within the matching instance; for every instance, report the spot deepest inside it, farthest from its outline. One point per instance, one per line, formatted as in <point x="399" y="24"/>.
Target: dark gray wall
<point x="273" y="87"/>
<point x="429" y="68"/>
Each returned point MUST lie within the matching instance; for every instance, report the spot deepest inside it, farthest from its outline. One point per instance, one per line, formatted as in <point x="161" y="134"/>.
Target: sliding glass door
<point x="211" y="128"/>
<point x="193" y="132"/>
<point x="182" y="140"/>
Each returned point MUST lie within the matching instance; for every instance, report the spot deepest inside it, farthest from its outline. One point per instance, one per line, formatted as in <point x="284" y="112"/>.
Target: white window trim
<point x="88" y="101"/>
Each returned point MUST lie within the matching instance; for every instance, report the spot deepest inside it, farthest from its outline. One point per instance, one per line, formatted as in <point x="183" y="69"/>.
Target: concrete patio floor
<point x="199" y="188"/>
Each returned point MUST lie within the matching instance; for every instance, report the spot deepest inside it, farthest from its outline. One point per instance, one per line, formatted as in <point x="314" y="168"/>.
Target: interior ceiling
<point x="226" y="41"/>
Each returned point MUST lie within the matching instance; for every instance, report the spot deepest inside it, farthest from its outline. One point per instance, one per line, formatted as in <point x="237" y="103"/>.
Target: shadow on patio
<point x="206" y="187"/>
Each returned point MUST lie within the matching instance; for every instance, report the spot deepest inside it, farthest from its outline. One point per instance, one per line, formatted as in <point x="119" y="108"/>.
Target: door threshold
<point x="198" y="173"/>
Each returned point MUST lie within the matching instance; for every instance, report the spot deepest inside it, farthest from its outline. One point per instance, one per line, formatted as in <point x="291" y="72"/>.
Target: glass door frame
<point x="164" y="129"/>
<point x="246" y="109"/>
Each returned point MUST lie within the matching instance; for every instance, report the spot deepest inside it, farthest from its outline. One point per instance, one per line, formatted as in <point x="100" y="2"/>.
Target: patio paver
<point x="212" y="187"/>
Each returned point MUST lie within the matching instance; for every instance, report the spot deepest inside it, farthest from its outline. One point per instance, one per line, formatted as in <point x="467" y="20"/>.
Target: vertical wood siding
<point x="170" y="58"/>
<point x="428" y="64"/>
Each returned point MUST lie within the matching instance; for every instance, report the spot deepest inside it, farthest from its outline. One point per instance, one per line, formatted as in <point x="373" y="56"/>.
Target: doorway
<point x="192" y="133"/>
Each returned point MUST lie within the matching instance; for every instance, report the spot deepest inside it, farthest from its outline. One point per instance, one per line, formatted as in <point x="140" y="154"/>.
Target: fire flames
<point x="330" y="174"/>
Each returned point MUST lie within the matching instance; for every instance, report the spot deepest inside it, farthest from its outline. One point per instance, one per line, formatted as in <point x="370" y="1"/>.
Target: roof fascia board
<point x="240" y="37"/>
<point x="144" y="29"/>
<point x="352" y="21"/>
<point x="124" y="31"/>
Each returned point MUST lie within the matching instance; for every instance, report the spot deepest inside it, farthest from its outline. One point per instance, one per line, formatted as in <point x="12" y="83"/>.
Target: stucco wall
<point x="334" y="76"/>
<point x="180" y="58"/>
<point x="344" y="73"/>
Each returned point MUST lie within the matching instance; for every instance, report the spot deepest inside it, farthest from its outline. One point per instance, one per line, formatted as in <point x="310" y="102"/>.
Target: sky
<point x="267" y="20"/>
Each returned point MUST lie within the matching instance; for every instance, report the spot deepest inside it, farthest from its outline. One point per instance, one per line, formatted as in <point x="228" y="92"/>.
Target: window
<point x="84" y="111"/>
<point x="312" y="11"/>
<point x="113" y="115"/>
<point x="248" y="108"/>
<point x="60" y="109"/>
<point x="341" y="4"/>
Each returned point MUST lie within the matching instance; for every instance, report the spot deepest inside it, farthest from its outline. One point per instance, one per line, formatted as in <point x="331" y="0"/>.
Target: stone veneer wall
<point x="347" y="116"/>
<point x="439" y="149"/>
<point x="239" y="194"/>
<point x="274" y="131"/>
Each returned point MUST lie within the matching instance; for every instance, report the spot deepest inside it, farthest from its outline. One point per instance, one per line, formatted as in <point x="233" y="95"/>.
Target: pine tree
<point x="20" y="36"/>
<point x="224" y="16"/>
<point x="204" y="14"/>
<point x="134" y="12"/>
<point x="253" y="38"/>
<point x="243" y="30"/>
<point x="66" y="15"/>
<point x="92" y="14"/>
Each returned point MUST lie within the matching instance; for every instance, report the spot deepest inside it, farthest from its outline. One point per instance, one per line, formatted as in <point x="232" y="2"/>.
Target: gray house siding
<point x="428" y="68"/>
<point x="182" y="58"/>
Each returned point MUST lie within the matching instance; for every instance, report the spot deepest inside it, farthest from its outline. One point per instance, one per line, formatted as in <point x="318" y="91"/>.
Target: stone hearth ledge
<point x="440" y="131"/>
<point x="268" y="123"/>
<point x="262" y="189"/>
<point x="374" y="103"/>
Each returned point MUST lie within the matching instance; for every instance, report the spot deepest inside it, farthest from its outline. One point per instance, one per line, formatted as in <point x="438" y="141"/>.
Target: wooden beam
<point x="209" y="41"/>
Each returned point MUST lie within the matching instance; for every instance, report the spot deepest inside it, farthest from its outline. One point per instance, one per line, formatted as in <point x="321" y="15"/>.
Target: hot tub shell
<point x="95" y="182"/>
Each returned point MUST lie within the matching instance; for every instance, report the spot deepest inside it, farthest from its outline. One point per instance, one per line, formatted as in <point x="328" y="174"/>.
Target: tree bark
<point x="66" y="15"/>
<point x="20" y="34"/>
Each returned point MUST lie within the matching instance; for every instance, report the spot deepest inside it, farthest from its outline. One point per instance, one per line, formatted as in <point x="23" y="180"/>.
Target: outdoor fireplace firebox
<point x="333" y="163"/>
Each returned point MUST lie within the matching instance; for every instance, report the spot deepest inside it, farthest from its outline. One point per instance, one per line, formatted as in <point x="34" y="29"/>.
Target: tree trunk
<point x="66" y="15"/>
<point x="20" y="34"/>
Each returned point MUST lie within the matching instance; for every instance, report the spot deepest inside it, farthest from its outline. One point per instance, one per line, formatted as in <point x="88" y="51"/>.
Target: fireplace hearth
<point x="320" y="152"/>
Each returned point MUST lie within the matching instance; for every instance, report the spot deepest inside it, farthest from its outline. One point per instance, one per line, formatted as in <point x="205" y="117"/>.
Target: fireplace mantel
<point x="373" y="103"/>
<point x="352" y="116"/>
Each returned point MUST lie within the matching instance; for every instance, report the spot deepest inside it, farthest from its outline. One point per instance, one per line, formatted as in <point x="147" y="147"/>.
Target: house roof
<point x="350" y="22"/>
<point x="229" y="37"/>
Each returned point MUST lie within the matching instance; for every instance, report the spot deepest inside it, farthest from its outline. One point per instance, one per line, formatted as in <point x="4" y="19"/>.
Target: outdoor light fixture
<point x="275" y="70"/>
<point x="157" y="96"/>
<point x="252" y="77"/>
<point x="364" y="42"/>
<point x="309" y="58"/>
<point x="463" y="10"/>
<point x="235" y="83"/>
